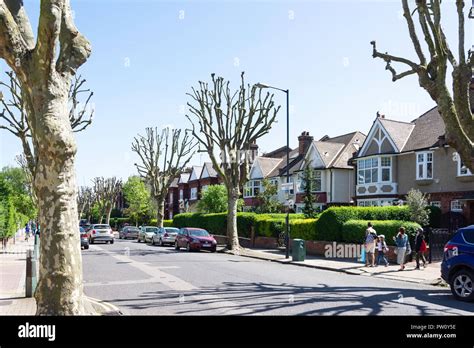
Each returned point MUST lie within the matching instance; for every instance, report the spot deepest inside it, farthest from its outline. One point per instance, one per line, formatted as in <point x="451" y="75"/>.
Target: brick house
<point x="398" y="156"/>
<point x="329" y="158"/>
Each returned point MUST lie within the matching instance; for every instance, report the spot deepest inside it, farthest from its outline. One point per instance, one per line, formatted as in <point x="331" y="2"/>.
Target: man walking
<point x="370" y="236"/>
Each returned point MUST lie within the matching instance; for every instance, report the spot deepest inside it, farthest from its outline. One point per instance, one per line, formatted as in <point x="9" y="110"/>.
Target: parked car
<point x="84" y="238"/>
<point x="457" y="268"/>
<point x="195" y="239"/>
<point x="165" y="235"/>
<point x="129" y="232"/>
<point x="146" y="233"/>
<point x="100" y="233"/>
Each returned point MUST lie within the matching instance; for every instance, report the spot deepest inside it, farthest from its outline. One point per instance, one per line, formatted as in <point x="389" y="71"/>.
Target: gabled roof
<point x="174" y="183"/>
<point x="209" y="170"/>
<point x="278" y="153"/>
<point x="428" y="128"/>
<point x="422" y="133"/>
<point x="266" y="164"/>
<point x="335" y="152"/>
<point x="295" y="161"/>
<point x="184" y="178"/>
<point x="195" y="173"/>
<point x="398" y="131"/>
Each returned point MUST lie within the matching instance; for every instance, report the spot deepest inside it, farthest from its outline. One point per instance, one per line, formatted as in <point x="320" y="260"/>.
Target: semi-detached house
<point x="398" y="156"/>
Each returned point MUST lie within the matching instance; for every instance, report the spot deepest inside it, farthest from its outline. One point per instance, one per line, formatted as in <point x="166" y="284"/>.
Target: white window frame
<point x="193" y="193"/>
<point x="424" y="165"/>
<point x="250" y="188"/>
<point x="318" y="177"/>
<point x="462" y="168"/>
<point x="171" y="197"/>
<point x="456" y="205"/>
<point x="367" y="164"/>
<point x="436" y="204"/>
<point x="382" y="167"/>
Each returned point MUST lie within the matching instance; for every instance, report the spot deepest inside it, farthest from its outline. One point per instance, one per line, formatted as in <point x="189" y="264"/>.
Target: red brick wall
<point x="446" y="197"/>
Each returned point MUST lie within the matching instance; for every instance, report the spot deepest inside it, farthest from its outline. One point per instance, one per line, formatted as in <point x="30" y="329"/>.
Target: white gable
<point x="205" y="173"/>
<point x="194" y="174"/>
<point x="377" y="137"/>
<point x="313" y="156"/>
<point x="256" y="171"/>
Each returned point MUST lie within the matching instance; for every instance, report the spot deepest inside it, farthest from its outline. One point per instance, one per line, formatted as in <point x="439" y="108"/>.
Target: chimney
<point x="305" y="141"/>
<point x="253" y="151"/>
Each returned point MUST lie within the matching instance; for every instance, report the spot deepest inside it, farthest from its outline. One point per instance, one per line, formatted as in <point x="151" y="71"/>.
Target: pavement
<point x="430" y="275"/>
<point x="12" y="284"/>
<point x="141" y="279"/>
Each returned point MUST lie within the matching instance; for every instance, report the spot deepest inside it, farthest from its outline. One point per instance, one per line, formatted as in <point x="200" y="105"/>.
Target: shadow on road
<point x="263" y="298"/>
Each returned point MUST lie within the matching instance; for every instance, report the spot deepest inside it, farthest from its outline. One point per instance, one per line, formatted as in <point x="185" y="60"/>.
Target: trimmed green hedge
<point x="353" y="231"/>
<point x="329" y="224"/>
<point x="303" y="229"/>
<point x="7" y="217"/>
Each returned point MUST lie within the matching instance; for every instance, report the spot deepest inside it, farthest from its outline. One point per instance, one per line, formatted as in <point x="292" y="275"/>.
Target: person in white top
<point x="381" y="250"/>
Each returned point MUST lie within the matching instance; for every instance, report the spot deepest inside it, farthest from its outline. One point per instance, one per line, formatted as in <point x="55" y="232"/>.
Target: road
<point x="150" y="280"/>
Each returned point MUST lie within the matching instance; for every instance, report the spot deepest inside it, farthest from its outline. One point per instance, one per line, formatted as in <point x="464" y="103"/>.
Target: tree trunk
<point x="161" y="211"/>
<point x="232" y="236"/>
<point x="108" y="213"/>
<point x="59" y="290"/>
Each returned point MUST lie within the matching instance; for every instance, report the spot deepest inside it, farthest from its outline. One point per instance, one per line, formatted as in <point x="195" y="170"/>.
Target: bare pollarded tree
<point x="85" y="200"/>
<point x="226" y="123"/>
<point x="106" y="193"/>
<point x="14" y="118"/>
<point x="433" y="67"/>
<point x="162" y="158"/>
<point x="44" y="67"/>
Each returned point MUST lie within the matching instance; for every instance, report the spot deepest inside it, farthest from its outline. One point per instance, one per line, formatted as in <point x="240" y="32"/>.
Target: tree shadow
<point x="260" y="298"/>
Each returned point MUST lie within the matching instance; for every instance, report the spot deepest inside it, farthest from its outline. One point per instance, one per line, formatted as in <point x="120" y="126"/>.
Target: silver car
<point x="100" y="233"/>
<point x="147" y="233"/>
<point x="165" y="235"/>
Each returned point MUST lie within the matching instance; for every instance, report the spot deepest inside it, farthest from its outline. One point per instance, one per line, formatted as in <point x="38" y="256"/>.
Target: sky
<point x="147" y="54"/>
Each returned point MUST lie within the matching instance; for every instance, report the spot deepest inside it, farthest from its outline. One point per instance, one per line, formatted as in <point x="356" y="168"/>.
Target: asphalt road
<point x="150" y="280"/>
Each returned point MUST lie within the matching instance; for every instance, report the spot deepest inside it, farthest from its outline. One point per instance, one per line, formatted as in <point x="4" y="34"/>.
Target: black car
<point x="84" y="238"/>
<point x="457" y="268"/>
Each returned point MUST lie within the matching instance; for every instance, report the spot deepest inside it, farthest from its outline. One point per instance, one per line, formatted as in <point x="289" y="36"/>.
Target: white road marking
<point x="172" y="282"/>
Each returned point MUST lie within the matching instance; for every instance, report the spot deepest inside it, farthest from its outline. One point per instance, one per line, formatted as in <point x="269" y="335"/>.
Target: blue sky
<point x="148" y="53"/>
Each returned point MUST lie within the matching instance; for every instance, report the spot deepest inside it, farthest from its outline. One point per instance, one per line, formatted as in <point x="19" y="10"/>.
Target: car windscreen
<point x="198" y="233"/>
<point x="469" y="236"/>
<point x="102" y="227"/>
<point x="151" y="229"/>
<point x="172" y="230"/>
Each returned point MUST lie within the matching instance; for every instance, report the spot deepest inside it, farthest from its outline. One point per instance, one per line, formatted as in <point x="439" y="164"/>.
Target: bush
<point x="353" y="231"/>
<point x="303" y="229"/>
<point x="166" y="223"/>
<point x="330" y="222"/>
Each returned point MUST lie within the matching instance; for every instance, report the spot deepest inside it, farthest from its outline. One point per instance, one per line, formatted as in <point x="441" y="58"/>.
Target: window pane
<point x="375" y="162"/>
<point x="375" y="173"/>
<point x="367" y="178"/>
<point x="361" y="177"/>
<point x="420" y="171"/>
<point x="361" y="164"/>
<point x="385" y="174"/>
<point x="429" y="170"/>
<point x="386" y="161"/>
<point x="421" y="157"/>
<point x="429" y="157"/>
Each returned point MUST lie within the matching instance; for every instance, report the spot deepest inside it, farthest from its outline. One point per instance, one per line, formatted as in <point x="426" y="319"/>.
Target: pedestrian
<point x="27" y="231"/>
<point x="401" y="241"/>
<point x="381" y="250"/>
<point x="370" y="237"/>
<point x="420" y="248"/>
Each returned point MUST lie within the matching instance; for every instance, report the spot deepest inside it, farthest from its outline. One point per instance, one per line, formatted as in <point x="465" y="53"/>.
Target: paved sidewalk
<point x="12" y="285"/>
<point x="430" y="275"/>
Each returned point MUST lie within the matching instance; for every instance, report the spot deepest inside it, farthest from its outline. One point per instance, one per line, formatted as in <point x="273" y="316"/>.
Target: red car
<point x="195" y="239"/>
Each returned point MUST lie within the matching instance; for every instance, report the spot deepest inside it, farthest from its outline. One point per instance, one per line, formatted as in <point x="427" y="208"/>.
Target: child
<point x="382" y="249"/>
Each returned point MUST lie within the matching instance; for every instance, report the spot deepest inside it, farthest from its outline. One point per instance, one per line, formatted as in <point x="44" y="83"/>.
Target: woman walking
<point x="420" y="248"/>
<point x="401" y="241"/>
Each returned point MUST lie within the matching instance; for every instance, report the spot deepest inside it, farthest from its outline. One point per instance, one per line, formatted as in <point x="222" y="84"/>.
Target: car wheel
<point x="188" y="247"/>
<point x="91" y="241"/>
<point x="462" y="285"/>
<point x="176" y="246"/>
<point x="214" y="250"/>
<point x="112" y="241"/>
<point x="86" y="247"/>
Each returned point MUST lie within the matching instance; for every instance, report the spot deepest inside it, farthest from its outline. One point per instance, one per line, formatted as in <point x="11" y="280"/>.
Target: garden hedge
<point x="353" y="231"/>
<point x="329" y="224"/>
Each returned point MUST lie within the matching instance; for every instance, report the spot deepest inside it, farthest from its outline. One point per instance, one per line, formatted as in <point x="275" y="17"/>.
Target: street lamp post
<point x="287" y="91"/>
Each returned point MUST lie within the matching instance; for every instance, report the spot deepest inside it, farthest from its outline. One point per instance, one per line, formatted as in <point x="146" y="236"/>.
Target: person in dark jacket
<point x="420" y="248"/>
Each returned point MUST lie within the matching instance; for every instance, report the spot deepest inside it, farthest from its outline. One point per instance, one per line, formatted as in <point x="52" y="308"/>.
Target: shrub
<point x="353" y="231"/>
<point x="329" y="224"/>
<point x="303" y="229"/>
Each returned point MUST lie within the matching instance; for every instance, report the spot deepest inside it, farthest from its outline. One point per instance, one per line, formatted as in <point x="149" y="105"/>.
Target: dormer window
<point x="462" y="169"/>
<point x="424" y="165"/>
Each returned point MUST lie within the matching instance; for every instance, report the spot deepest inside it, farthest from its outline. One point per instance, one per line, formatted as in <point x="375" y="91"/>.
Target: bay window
<point x="424" y="165"/>
<point x="194" y="193"/>
<point x="316" y="182"/>
<point x="374" y="170"/>
<point x="252" y="188"/>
